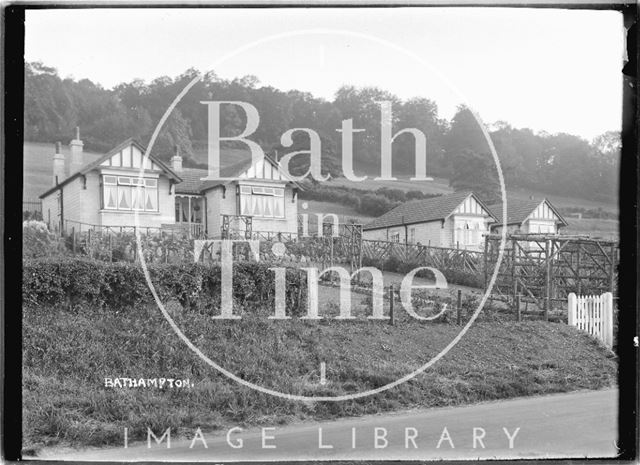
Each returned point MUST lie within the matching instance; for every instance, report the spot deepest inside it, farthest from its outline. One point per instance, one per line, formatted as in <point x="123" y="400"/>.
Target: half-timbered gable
<point x="528" y="216"/>
<point x="256" y="196"/>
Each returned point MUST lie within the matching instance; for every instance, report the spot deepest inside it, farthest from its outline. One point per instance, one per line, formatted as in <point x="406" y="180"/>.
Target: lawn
<point x="69" y="352"/>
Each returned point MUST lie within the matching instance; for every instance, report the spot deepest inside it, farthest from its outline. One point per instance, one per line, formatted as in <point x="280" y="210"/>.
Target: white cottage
<point x="528" y="216"/>
<point x="108" y="192"/>
<point x="458" y="220"/>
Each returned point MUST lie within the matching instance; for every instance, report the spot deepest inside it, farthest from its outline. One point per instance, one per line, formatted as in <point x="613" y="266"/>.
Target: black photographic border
<point x="11" y="164"/>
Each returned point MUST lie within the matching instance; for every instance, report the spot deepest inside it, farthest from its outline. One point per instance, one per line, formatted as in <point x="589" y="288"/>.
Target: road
<point x="581" y="424"/>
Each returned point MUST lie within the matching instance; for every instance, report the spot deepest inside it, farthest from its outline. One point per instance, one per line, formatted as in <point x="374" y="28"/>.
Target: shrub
<point x="363" y="201"/>
<point x="31" y="215"/>
<point x="397" y="195"/>
<point x="376" y="205"/>
<point x="38" y="241"/>
<point x="195" y="286"/>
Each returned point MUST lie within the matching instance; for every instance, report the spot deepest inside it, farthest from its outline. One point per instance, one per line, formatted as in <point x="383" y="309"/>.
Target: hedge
<point x="122" y="285"/>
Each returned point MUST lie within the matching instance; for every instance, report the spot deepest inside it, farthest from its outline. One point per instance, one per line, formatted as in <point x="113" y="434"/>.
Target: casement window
<point x="468" y="234"/>
<point x="127" y="193"/>
<point x="262" y="202"/>
<point x="412" y="235"/>
<point x="395" y="237"/>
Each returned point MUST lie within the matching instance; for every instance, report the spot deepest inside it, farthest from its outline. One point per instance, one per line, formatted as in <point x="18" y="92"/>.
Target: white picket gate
<point x="593" y="314"/>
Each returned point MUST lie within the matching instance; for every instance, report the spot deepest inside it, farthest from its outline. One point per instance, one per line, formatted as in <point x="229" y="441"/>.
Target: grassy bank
<point x="69" y="352"/>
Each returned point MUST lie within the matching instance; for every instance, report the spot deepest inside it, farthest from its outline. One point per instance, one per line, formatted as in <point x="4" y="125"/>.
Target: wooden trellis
<point x="438" y="257"/>
<point x="545" y="269"/>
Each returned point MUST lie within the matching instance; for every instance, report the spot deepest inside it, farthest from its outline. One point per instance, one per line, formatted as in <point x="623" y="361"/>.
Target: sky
<point x="545" y="69"/>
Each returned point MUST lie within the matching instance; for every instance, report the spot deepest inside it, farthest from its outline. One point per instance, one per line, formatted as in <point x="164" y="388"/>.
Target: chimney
<point x="76" y="153"/>
<point x="58" y="165"/>
<point x="176" y="160"/>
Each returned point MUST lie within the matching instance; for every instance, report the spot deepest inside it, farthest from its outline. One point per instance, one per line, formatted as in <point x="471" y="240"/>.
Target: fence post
<point x="607" y="316"/>
<point x="391" y="314"/>
<point x="486" y="261"/>
<point x="612" y="278"/>
<point x="518" y="315"/>
<point x="459" y="308"/>
<point x="513" y="265"/>
<point x="89" y="243"/>
<point x="578" y="275"/>
<point x="547" y="297"/>
<point x="571" y="309"/>
<point x="73" y="239"/>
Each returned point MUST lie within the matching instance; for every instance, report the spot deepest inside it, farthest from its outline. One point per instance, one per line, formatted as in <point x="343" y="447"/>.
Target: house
<point x="458" y="220"/>
<point x="109" y="191"/>
<point x="528" y="216"/>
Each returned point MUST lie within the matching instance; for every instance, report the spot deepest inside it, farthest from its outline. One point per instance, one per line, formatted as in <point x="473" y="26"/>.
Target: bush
<point x="31" y="215"/>
<point x="38" y="241"/>
<point x="118" y="286"/>
<point x="376" y="205"/>
<point x="363" y="201"/>
<point x="397" y="195"/>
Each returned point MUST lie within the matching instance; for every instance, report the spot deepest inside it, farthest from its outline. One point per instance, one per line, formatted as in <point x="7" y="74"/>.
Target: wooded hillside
<point x="561" y="164"/>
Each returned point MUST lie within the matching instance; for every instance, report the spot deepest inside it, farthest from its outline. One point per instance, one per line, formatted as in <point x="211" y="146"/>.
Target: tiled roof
<point x="519" y="209"/>
<point x="419" y="211"/>
<point x="192" y="177"/>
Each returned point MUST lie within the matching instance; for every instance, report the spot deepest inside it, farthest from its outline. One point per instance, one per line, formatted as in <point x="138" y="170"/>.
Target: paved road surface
<point x="579" y="424"/>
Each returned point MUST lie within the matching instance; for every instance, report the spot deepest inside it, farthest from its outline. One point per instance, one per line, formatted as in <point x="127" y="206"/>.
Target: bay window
<point x="129" y="193"/>
<point x="262" y="202"/>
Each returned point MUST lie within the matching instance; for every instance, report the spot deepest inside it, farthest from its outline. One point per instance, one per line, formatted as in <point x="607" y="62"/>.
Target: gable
<point x="130" y="157"/>
<point x="263" y="169"/>
<point x="543" y="212"/>
<point x="129" y="154"/>
<point x="471" y="206"/>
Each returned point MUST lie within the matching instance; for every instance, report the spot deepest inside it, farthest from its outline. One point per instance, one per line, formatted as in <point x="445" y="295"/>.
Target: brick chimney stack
<point x="176" y="160"/>
<point x="76" y="146"/>
<point x="58" y="165"/>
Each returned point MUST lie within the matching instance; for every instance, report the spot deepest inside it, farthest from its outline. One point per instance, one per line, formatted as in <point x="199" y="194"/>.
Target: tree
<point x="475" y="172"/>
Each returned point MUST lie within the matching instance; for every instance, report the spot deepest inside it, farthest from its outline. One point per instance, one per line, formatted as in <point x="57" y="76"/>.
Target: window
<point x="263" y="202"/>
<point x="395" y="237"/>
<point x="126" y="193"/>
<point x="412" y="235"/>
<point x="468" y="234"/>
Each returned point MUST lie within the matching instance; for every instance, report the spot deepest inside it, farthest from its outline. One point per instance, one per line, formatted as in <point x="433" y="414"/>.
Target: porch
<point x="191" y="212"/>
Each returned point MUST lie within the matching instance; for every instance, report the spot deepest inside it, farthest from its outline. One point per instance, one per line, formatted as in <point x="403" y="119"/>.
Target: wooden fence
<point x="544" y="269"/>
<point x="438" y="257"/>
<point x="593" y="314"/>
